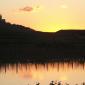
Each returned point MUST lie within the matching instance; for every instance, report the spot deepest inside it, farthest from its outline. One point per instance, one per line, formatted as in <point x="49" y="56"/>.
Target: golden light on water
<point x="63" y="78"/>
<point x="43" y="73"/>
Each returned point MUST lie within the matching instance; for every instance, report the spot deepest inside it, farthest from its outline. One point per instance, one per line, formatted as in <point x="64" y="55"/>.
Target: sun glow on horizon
<point x="41" y="16"/>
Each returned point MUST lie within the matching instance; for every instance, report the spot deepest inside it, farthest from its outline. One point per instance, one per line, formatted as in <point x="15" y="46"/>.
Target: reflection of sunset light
<point x="42" y="72"/>
<point x="63" y="78"/>
<point x="38" y="75"/>
<point x="31" y="74"/>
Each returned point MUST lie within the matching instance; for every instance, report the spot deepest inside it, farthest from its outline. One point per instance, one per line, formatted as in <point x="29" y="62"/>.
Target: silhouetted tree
<point x="52" y="83"/>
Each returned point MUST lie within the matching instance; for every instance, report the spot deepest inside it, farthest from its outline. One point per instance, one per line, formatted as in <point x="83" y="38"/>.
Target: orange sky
<point x="45" y="15"/>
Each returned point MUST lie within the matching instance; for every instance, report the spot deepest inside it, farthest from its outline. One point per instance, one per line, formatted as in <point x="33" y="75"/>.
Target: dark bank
<point x="22" y="43"/>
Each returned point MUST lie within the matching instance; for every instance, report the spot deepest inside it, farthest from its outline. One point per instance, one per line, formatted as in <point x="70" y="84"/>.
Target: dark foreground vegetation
<point x="21" y="43"/>
<point x="59" y="83"/>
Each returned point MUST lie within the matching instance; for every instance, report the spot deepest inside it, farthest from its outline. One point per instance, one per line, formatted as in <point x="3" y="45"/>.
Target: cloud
<point x="27" y="9"/>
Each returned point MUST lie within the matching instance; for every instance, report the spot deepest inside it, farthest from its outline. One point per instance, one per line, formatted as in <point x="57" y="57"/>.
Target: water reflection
<point x="59" y="66"/>
<point x="71" y="72"/>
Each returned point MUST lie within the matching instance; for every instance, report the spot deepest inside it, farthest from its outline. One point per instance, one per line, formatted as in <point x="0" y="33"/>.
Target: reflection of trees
<point x="44" y="66"/>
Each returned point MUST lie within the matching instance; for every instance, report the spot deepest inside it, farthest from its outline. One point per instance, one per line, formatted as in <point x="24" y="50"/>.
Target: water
<point x="31" y="73"/>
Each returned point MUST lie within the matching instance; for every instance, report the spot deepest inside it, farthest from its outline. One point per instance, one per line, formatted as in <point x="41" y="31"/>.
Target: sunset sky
<point x="45" y="15"/>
